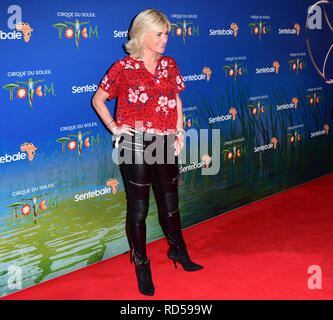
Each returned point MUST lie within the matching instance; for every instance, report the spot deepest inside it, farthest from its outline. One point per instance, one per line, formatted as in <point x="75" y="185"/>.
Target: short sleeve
<point x="111" y="81"/>
<point x="178" y="80"/>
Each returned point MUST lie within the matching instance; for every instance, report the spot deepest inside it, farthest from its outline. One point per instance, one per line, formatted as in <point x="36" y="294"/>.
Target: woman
<point x="147" y="86"/>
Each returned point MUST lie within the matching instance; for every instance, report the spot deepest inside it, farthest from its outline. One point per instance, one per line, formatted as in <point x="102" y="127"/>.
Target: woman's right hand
<point x="124" y="128"/>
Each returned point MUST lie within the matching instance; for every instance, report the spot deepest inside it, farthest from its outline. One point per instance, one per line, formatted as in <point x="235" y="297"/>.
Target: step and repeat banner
<point x="257" y="75"/>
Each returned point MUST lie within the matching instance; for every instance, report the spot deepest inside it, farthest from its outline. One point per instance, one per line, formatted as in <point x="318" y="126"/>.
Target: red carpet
<point x="261" y="251"/>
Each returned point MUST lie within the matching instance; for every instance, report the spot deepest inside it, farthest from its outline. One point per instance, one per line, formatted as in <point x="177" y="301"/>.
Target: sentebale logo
<point x="16" y="24"/>
<point x="27" y="148"/>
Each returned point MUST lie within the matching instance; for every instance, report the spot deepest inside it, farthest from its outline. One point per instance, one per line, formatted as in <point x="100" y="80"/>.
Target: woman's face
<point x="155" y="41"/>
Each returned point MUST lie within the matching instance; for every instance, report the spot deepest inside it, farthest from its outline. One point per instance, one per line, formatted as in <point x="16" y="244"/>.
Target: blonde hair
<point x="146" y="21"/>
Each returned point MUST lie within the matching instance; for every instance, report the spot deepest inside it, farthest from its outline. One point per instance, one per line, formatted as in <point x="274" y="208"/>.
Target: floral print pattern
<point x="142" y="96"/>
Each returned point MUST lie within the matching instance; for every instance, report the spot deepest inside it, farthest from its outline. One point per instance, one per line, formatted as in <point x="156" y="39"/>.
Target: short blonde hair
<point x="146" y="21"/>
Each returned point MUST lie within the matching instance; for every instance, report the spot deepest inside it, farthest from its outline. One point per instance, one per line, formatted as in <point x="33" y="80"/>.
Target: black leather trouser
<point x="138" y="176"/>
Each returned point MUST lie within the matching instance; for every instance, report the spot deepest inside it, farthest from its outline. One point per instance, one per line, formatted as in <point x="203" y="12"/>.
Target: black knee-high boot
<point x="169" y="219"/>
<point x="137" y="213"/>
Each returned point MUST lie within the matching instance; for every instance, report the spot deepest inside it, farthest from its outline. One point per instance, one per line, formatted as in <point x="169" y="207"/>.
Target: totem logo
<point x="297" y="65"/>
<point x="189" y="121"/>
<point x="26" y="149"/>
<point x="21" y="91"/>
<point x="235" y="70"/>
<point x="294" y="137"/>
<point x="258" y="108"/>
<point x="232" y="31"/>
<point x="184" y="29"/>
<point x="76" y="32"/>
<point x="233" y="152"/>
<point x="79" y="142"/>
<point x="274" y="69"/>
<point x="295" y="30"/>
<point x="16" y="24"/>
<point x="314" y="99"/>
<point x="260" y="28"/>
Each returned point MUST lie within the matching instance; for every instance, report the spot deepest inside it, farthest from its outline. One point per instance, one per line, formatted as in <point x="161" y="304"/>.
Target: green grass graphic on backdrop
<point x="75" y="234"/>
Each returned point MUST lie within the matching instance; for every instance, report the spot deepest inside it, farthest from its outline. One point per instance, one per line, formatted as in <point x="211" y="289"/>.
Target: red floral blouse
<point x="142" y="96"/>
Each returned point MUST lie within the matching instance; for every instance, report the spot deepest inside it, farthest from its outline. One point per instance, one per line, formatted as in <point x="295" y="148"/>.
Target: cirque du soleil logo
<point x="189" y="121"/>
<point x="184" y="29"/>
<point x="258" y="108"/>
<point x="77" y="141"/>
<point x="73" y="29"/>
<point x="26" y="208"/>
<point x="233" y="152"/>
<point x="297" y="65"/>
<point x="24" y="88"/>
<point x="260" y="28"/>
<point x="34" y="204"/>
<point x="294" y="136"/>
<point x="235" y="70"/>
<point x="314" y="99"/>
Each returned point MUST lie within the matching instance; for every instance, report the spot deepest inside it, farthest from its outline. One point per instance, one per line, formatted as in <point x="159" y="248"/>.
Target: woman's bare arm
<point x="180" y="124"/>
<point x="98" y="102"/>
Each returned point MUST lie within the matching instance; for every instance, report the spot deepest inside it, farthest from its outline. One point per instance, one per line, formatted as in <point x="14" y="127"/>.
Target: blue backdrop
<point x="64" y="207"/>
